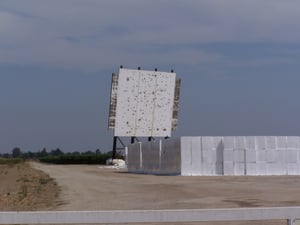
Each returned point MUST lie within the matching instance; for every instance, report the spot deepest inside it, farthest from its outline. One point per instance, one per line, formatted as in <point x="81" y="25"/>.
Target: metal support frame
<point x="117" y="139"/>
<point x="132" y="140"/>
<point x="291" y="221"/>
<point x="151" y="138"/>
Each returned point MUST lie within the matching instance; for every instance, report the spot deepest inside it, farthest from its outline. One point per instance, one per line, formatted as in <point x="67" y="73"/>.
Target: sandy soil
<point x="23" y="188"/>
<point x="97" y="188"/>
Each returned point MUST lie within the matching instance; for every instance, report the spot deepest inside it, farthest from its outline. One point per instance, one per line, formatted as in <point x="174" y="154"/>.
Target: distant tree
<point x="75" y="153"/>
<point x="28" y="155"/>
<point x="42" y="153"/>
<point x="98" y="151"/>
<point x="56" y="152"/>
<point x="16" y="152"/>
<point x="89" y="152"/>
<point x="6" y="155"/>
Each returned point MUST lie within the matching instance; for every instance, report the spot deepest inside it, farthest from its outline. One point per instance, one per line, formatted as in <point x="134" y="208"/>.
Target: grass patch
<point x="43" y="180"/>
<point x="24" y="192"/>
<point x="12" y="161"/>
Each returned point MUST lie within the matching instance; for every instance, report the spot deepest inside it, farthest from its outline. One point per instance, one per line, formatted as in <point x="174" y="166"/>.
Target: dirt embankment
<point x="25" y="188"/>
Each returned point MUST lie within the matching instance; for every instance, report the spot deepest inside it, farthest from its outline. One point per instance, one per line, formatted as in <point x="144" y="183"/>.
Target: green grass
<point x="10" y="161"/>
<point x="45" y="180"/>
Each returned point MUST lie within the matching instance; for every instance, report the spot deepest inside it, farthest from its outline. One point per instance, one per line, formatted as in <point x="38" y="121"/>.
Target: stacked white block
<point x="191" y="156"/>
<point x="292" y="158"/>
<point x="230" y="155"/>
<point x="170" y="157"/>
<point x="201" y="156"/>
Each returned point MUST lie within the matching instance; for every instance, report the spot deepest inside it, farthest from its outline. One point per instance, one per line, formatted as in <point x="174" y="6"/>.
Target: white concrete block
<point x="291" y="156"/>
<point x="219" y="147"/>
<point x="171" y="159"/>
<point x="207" y="143"/>
<point x="196" y="148"/>
<point x="271" y="169"/>
<point x="298" y="166"/>
<point x="205" y="168"/>
<point x="218" y="142"/>
<point x="219" y="155"/>
<point x="260" y="143"/>
<point x="196" y="156"/>
<point x="207" y="156"/>
<point x="239" y="169"/>
<point x="276" y="169"/>
<point x="186" y="155"/>
<point x="239" y="155"/>
<point x="228" y="155"/>
<point x="283" y="169"/>
<point x="229" y="142"/>
<point x="251" y="169"/>
<point x="240" y="142"/>
<point x="250" y="155"/>
<point x="250" y="142"/>
<point x="281" y="155"/>
<point x="292" y="169"/>
<point x="219" y="168"/>
<point x="281" y="142"/>
<point x="261" y="168"/>
<point x="211" y="169"/>
<point x="261" y="156"/>
<point x="214" y="155"/>
<point x="271" y="155"/>
<point x="271" y="142"/>
<point x="298" y="156"/>
<point x="292" y="142"/>
<point x="228" y="168"/>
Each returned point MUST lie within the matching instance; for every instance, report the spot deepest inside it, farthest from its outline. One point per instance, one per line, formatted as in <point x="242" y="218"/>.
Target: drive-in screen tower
<point x="143" y="103"/>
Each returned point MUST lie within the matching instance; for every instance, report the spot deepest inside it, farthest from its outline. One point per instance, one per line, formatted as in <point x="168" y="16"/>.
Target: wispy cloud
<point x="95" y="34"/>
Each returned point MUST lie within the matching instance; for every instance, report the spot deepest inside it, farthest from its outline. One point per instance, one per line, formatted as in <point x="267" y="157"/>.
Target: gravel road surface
<point x="91" y="187"/>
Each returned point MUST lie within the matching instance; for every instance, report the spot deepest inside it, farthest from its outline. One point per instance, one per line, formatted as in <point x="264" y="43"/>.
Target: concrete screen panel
<point x="144" y="103"/>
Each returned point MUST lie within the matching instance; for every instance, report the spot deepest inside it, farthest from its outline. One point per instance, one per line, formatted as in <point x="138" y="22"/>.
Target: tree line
<point x="57" y="156"/>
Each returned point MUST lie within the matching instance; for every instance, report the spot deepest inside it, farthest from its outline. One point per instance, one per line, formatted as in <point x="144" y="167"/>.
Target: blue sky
<point x="238" y="60"/>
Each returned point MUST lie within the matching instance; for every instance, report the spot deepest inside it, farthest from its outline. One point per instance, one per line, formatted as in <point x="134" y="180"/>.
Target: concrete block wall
<point x="241" y="155"/>
<point x="201" y="156"/>
<point x="228" y="155"/>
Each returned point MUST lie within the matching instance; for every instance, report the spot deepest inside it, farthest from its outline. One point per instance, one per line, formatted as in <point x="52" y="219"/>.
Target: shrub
<point x="70" y="158"/>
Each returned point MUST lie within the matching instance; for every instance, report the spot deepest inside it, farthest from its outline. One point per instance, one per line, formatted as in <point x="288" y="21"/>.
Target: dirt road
<point x="97" y="188"/>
